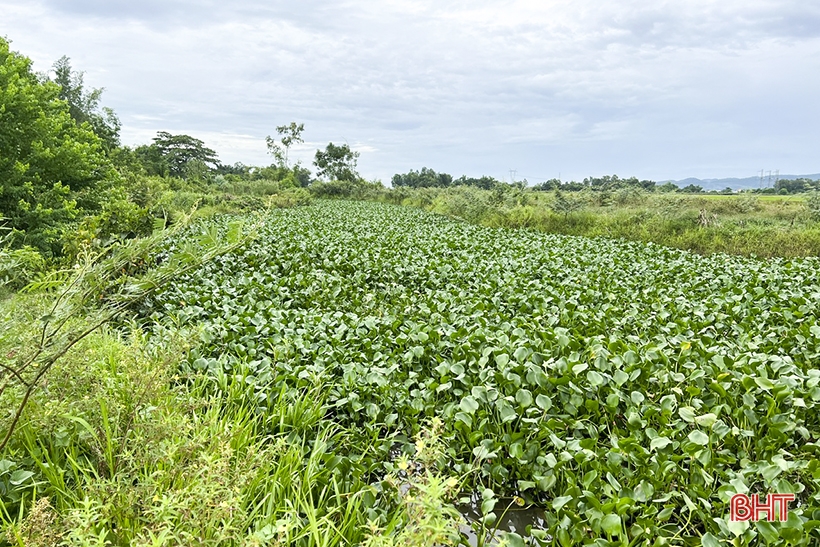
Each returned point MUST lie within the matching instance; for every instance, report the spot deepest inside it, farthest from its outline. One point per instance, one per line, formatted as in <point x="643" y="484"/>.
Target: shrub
<point x="19" y="266"/>
<point x="813" y="206"/>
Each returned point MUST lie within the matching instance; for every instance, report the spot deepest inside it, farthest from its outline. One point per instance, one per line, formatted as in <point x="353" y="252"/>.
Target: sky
<point x="512" y="89"/>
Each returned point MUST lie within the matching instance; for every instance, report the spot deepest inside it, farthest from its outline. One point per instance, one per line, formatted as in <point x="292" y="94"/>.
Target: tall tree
<point x="84" y="106"/>
<point x="177" y="151"/>
<point x="289" y="135"/>
<point x="49" y="165"/>
<point x="337" y="163"/>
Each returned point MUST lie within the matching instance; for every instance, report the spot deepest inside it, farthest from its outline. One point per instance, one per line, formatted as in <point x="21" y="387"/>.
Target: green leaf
<point x="764" y="383"/>
<point x="687" y="413"/>
<point x="488" y="505"/>
<point x="523" y="398"/>
<point x="706" y="420"/>
<point x="19" y="477"/>
<point x="464" y="418"/>
<point x="594" y="378"/>
<point x="660" y="442"/>
<point x="507" y="413"/>
<point x="513" y="540"/>
<point x="699" y="437"/>
<point x="560" y="501"/>
<point x="525" y="485"/>
<point x="611" y="524"/>
<point x="469" y="405"/>
<point x="543" y="402"/>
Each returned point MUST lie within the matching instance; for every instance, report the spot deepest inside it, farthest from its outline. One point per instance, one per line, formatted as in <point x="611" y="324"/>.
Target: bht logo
<point x="745" y="507"/>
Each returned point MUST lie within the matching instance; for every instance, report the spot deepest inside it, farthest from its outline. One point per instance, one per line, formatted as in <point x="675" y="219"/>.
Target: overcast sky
<point x="655" y="89"/>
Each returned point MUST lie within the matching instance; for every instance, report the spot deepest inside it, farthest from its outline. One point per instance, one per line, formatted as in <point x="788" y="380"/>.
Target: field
<point x="747" y="225"/>
<point x="391" y="364"/>
<point x="622" y="386"/>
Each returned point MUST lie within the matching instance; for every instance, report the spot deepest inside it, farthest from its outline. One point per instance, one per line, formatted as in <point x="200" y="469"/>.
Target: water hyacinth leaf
<point x="543" y="402"/>
<point x="706" y="420"/>
<point x="687" y="413"/>
<point x="19" y="477"/>
<point x="513" y="539"/>
<point x="469" y="405"/>
<point x="524" y="398"/>
<point x="764" y="383"/>
<point x="611" y="525"/>
<point x="506" y="412"/>
<point x="660" y="442"/>
<point x="488" y="505"/>
<point x="594" y="378"/>
<point x="464" y="418"/>
<point x="481" y="452"/>
<point x="699" y="437"/>
<point x="560" y="501"/>
<point x="525" y="485"/>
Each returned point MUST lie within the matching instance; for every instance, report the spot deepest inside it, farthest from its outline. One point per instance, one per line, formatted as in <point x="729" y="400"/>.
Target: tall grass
<point x="122" y="447"/>
<point x="742" y="225"/>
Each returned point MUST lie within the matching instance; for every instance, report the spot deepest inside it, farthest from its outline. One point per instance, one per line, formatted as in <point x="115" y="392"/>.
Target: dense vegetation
<point x="69" y="186"/>
<point x="354" y="372"/>
<point x="627" y="389"/>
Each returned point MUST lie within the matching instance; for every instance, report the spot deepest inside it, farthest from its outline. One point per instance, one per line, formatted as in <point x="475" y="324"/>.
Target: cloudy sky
<point x="652" y="88"/>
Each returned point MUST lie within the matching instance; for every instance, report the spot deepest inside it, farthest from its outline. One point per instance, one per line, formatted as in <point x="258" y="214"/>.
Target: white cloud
<point x="657" y="89"/>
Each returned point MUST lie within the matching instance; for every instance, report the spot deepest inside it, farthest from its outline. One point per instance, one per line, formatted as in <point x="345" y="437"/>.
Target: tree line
<point x="429" y="178"/>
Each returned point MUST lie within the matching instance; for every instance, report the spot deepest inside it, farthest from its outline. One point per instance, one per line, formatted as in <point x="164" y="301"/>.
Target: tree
<point x="290" y="135"/>
<point x="426" y="178"/>
<point x="668" y="187"/>
<point x="485" y="182"/>
<point x="84" y="107"/>
<point x="337" y="163"/>
<point x="564" y="205"/>
<point x="176" y="151"/>
<point x="50" y="166"/>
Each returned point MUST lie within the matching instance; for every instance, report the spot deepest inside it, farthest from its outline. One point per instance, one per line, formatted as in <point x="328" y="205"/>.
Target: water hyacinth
<point x="627" y="389"/>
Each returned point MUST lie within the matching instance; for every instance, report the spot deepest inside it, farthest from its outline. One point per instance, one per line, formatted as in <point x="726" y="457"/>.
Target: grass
<point x="747" y="225"/>
<point x="120" y="448"/>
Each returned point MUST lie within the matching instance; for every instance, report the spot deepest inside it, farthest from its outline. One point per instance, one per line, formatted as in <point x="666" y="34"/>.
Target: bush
<point x="564" y="205"/>
<point x="291" y="197"/>
<point x="119" y="219"/>
<point x="358" y="189"/>
<point x="629" y="196"/>
<point x="19" y="266"/>
<point x="813" y="206"/>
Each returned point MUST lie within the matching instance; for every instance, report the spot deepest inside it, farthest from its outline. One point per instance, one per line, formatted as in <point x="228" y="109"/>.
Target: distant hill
<point x="735" y="183"/>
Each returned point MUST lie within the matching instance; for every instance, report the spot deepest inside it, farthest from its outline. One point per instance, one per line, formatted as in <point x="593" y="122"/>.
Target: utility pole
<point x="512" y="175"/>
